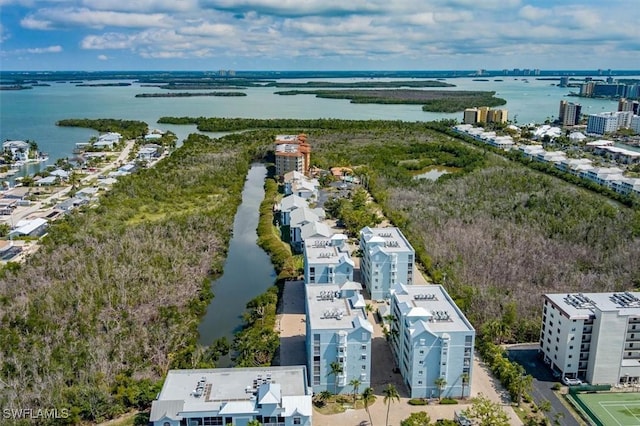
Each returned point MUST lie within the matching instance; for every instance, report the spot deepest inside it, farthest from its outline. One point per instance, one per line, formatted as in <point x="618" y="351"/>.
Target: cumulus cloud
<point x="103" y="57"/>
<point x="383" y="31"/>
<point x="142" y="5"/>
<point x="46" y="19"/>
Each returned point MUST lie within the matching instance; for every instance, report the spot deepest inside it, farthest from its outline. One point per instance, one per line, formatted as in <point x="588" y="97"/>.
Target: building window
<point x="364" y="366"/>
<point x="570" y="347"/>
<point x="297" y="421"/>
<point x="419" y="382"/>
<point x="363" y="347"/>
<point x="363" y="357"/>
<point x="420" y="372"/>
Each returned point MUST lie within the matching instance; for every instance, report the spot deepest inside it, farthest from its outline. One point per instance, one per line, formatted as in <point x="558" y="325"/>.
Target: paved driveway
<point x="527" y="356"/>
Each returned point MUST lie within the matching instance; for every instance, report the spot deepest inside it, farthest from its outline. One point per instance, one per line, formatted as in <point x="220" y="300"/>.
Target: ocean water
<point x="32" y="114"/>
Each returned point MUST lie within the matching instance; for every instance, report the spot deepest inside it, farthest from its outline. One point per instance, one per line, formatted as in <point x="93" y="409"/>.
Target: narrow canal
<point x="247" y="273"/>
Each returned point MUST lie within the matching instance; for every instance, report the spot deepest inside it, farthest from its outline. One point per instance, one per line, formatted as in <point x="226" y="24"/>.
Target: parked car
<point x="571" y="382"/>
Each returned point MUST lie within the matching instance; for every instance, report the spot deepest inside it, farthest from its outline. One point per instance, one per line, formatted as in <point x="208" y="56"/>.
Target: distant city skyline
<point x="318" y="34"/>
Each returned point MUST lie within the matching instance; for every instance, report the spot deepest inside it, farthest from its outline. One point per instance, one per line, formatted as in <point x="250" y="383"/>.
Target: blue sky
<point x="318" y="34"/>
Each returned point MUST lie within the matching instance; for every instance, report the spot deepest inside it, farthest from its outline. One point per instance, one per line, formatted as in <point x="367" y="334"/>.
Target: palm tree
<point x="440" y="382"/>
<point x="390" y="395"/>
<point x="465" y="380"/>
<point x="336" y="368"/>
<point x="323" y="397"/>
<point x="355" y="384"/>
<point x="367" y="394"/>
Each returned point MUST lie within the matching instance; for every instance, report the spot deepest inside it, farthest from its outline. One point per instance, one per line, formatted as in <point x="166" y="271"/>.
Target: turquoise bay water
<point x="32" y="114"/>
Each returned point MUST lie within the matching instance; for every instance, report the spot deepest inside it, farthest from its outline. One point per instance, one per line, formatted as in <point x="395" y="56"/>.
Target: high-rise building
<point x="431" y="339"/>
<point x="484" y="115"/>
<point x="293" y="153"/>
<point x="497" y="116"/>
<point x="608" y="122"/>
<point x="470" y="116"/>
<point x="564" y="81"/>
<point x="338" y="337"/>
<point x="387" y="259"/>
<point x="569" y="113"/>
<point x="593" y="336"/>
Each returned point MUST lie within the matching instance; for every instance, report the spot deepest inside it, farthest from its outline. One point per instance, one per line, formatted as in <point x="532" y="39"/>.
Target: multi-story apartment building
<point x="274" y="396"/>
<point x="484" y="115"/>
<point x="592" y="336"/>
<point x="431" y="339"/>
<point x="338" y="337"/>
<point x="569" y="113"/>
<point x="608" y="122"/>
<point x="327" y="260"/>
<point x="387" y="259"/>
<point x="293" y="153"/>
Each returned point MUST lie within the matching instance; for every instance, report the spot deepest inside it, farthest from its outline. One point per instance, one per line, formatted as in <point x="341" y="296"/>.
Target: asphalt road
<point x="543" y="380"/>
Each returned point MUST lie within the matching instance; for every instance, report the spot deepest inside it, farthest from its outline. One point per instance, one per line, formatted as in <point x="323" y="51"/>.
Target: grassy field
<point x="612" y="409"/>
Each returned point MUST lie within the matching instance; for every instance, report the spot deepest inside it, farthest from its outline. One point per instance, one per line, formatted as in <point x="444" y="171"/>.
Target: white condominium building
<point x="387" y="259"/>
<point x="327" y="260"/>
<point x="431" y="340"/>
<point x="274" y="396"/>
<point x="338" y="337"/>
<point x="593" y="336"/>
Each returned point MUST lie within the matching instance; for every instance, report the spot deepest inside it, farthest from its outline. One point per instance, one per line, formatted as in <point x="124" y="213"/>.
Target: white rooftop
<point x="335" y="307"/>
<point x="433" y="304"/>
<point x="214" y="389"/>
<point x="390" y="238"/>
<point x="582" y="305"/>
<point x="326" y="251"/>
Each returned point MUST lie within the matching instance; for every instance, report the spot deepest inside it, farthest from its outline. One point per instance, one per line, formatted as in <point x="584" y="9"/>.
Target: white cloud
<point x="142" y="5"/>
<point x="103" y="57"/>
<point x="61" y="18"/>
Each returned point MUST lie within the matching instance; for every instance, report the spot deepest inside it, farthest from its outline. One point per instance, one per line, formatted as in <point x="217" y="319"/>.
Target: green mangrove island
<point x="432" y="100"/>
<point x="188" y="94"/>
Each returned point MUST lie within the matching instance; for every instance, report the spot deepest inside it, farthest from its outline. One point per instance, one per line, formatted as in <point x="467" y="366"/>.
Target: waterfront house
<point x="107" y="140"/>
<point x="299" y="218"/>
<point x="431" y="339"/>
<point x="315" y="230"/>
<point x="287" y="205"/>
<point x="17" y="150"/>
<point x="338" y="337"/>
<point x="274" y="396"/>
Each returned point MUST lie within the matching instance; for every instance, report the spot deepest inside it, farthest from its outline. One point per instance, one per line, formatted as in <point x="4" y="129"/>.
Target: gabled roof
<point x="297" y="405"/>
<point x="301" y="216"/>
<point x="315" y="229"/>
<point x="166" y="409"/>
<point x="351" y="285"/>
<point x="360" y="322"/>
<point x="292" y="202"/>
<point x="270" y="393"/>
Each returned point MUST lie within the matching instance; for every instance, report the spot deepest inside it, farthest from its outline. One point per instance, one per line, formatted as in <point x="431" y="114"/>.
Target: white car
<point x="571" y="382"/>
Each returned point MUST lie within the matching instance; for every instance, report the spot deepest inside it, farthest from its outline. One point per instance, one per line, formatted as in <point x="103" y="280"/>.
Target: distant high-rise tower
<point x="569" y="113"/>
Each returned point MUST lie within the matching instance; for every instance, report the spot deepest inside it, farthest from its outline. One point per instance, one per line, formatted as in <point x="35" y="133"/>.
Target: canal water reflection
<point x="247" y="273"/>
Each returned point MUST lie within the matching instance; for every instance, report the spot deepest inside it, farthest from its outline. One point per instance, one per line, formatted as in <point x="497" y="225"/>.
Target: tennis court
<point x="612" y="409"/>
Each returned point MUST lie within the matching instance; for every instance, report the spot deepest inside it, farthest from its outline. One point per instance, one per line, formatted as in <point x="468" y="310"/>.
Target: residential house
<point x="17" y="150"/>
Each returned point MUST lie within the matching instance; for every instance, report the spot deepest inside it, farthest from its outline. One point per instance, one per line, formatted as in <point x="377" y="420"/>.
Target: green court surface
<point x="613" y="409"/>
